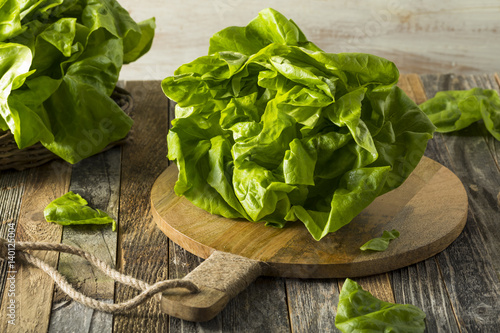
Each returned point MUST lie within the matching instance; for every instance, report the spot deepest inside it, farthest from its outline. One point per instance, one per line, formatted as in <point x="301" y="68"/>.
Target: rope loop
<point x="147" y="291"/>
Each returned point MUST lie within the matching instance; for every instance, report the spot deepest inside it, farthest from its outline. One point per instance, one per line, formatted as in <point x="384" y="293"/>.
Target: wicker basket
<point x="11" y="157"/>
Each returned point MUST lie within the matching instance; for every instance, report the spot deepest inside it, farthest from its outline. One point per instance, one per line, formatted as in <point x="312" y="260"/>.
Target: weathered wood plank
<point x="12" y="185"/>
<point x="421" y="284"/>
<point x="34" y="288"/>
<point x="312" y="304"/>
<point x="416" y="88"/>
<point x="143" y="249"/>
<point x="488" y="81"/>
<point x="79" y="318"/>
<point x="181" y="263"/>
<point x="263" y="302"/>
<point x="260" y="308"/>
<point x="420" y="37"/>
<point x="474" y="158"/>
<point x="97" y="179"/>
<point x="379" y="286"/>
<point x="475" y="297"/>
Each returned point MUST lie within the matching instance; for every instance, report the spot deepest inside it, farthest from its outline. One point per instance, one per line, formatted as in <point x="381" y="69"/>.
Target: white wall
<point x="460" y="36"/>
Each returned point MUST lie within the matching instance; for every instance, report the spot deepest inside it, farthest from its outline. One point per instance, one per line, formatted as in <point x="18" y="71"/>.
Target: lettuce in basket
<point x="60" y="61"/>
<point x="270" y="128"/>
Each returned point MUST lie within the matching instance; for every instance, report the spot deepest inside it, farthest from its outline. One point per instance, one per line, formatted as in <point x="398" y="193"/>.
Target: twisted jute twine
<point x="147" y="291"/>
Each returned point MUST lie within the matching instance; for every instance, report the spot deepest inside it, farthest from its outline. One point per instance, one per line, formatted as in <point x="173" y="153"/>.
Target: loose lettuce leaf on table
<point x="69" y="56"/>
<point x="380" y="243"/>
<point x="72" y="209"/>
<point x="456" y="109"/>
<point x="360" y="311"/>
<point x="270" y="128"/>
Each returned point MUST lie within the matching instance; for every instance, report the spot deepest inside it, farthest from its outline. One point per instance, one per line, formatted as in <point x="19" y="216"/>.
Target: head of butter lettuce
<point x="270" y="128"/>
<point x="59" y="63"/>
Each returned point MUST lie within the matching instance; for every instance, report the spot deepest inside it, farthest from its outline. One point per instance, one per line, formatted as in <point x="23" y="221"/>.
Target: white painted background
<point x="459" y="36"/>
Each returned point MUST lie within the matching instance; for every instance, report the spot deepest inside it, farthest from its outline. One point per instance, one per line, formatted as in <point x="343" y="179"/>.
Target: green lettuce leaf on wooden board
<point x="270" y="128"/>
<point x="360" y="311"/>
<point x="60" y="61"/>
<point x="456" y="109"/>
<point x="380" y="243"/>
<point x="72" y="209"/>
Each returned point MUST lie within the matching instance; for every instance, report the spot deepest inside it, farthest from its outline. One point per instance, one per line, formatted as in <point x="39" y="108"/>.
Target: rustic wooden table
<point x="459" y="289"/>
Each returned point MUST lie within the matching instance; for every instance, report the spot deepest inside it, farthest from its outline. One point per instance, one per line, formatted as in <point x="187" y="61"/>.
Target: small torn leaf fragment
<point x="72" y="209"/>
<point x="380" y="243"/>
<point x="360" y="311"/>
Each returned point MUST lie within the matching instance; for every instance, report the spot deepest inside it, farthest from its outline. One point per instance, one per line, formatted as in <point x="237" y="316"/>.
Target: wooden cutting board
<point x="429" y="210"/>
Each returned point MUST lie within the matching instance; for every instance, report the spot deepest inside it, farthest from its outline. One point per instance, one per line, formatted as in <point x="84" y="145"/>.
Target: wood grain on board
<point x="263" y="303"/>
<point x="34" y="289"/>
<point x="379" y="285"/>
<point x="432" y="193"/>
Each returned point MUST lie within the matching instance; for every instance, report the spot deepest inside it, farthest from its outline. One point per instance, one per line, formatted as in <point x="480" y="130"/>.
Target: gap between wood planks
<point x="96" y="179"/>
<point x="12" y="185"/>
<point x="29" y="235"/>
<point x="141" y="245"/>
<point x="448" y="316"/>
<point x="34" y="289"/>
<point x="474" y="297"/>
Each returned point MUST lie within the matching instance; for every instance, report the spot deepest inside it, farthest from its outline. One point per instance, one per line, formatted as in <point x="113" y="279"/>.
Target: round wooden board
<point x="429" y="210"/>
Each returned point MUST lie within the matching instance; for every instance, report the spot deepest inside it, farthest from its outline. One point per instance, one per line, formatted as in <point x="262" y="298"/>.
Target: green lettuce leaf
<point x="359" y="311"/>
<point x="270" y="128"/>
<point x="269" y="27"/>
<point x="72" y="209"/>
<point x="10" y="19"/>
<point x="60" y="63"/>
<point x="138" y="44"/>
<point x="456" y="109"/>
<point x="380" y="243"/>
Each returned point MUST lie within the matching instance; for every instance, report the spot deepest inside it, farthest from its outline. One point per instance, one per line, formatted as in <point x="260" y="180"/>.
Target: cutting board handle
<point x="220" y="278"/>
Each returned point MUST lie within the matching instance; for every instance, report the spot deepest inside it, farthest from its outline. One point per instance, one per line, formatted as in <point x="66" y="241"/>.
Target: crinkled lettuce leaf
<point x="456" y="109"/>
<point x="72" y="209"/>
<point x="270" y="128"/>
<point x="269" y="27"/>
<point x="360" y="311"/>
<point x="60" y="63"/>
<point x="380" y="243"/>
